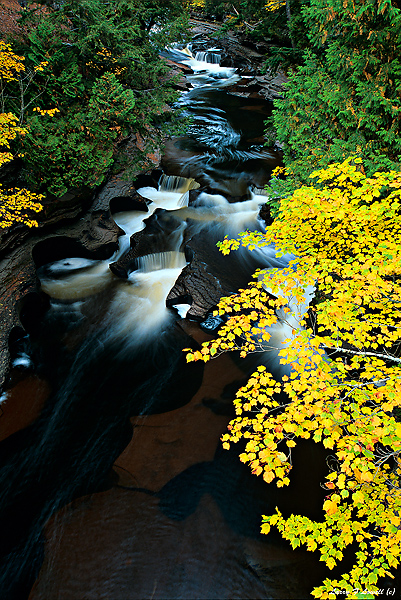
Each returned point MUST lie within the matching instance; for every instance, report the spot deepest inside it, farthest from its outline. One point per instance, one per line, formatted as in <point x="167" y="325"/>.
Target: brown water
<point x="115" y="484"/>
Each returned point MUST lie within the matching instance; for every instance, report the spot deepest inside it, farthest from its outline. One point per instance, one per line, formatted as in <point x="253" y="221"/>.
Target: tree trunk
<point x="288" y="11"/>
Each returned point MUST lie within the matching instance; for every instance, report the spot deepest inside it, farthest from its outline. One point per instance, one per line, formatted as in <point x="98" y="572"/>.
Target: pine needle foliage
<point x="345" y="98"/>
<point x="102" y="72"/>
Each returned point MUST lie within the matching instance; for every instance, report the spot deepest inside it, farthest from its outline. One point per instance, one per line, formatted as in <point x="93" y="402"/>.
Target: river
<point x="119" y="489"/>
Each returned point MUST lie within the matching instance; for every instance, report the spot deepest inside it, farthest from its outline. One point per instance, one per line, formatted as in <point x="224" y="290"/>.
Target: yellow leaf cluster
<point x="50" y="112"/>
<point x="344" y="389"/>
<point x="10" y="63"/>
<point x="16" y="205"/>
<point x="273" y="5"/>
<point x="9" y="130"/>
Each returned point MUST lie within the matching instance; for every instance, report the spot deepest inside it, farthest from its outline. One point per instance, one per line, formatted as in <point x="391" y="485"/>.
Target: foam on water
<point x="4" y="396"/>
<point x="79" y="285"/>
<point x="23" y="360"/>
<point x="138" y="310"/>
<point x="182" y="309"/>
<point x="70" y="264"/>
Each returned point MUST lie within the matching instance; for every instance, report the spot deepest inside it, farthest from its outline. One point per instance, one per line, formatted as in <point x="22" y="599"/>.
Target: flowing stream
<point x="120" y="489"/>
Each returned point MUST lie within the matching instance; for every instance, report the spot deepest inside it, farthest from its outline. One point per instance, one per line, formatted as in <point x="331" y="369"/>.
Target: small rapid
<point x="206" y="68"/>
<point x="77" y="278"/>
<point x="138" y="310"/>
<point x="120" y="487"/>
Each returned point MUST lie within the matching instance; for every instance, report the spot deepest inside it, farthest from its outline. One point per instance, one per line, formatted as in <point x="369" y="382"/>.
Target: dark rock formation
<point x="196" y="282"/>
<point x="59" y="235"/>
<point x="125" y="203"/>
<point x="265" y="215"/>
<point x="156" y="237"/>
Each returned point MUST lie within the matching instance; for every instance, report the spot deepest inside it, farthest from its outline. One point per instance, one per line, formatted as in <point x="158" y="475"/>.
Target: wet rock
<point x="173" y="302"/>
<point x="265" y="215"/>
<point x="193" y="196"/>
<point x="59" y="235"/>
<point x="272" y="86"/>
<point x="201" y="285"/>
<point x="177" y="72"/>
<point x="127" y="203"/>
<point x="178" y="66"/>
<point x="153" y="239"/>
<point x="148" y="179"/>
<point x="212" y="323"/>
<point x="55" y="211"/>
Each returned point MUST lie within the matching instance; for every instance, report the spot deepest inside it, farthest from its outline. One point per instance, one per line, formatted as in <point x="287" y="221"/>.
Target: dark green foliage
<point x="345" y="99"/>
<point x="78" y="149"/>
<point x="282" y="58"/>
<point x="103" y="74"/>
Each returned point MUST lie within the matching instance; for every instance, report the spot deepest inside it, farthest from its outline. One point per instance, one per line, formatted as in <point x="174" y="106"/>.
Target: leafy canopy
<point x="344" y="387"/>
<point x="100" y="71"/>
<point x="344" y="99"/>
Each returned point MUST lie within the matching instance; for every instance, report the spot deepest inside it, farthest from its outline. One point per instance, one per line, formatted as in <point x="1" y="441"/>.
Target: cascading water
<point x="208" y="57"/>
<point x="172" y="192"/>
<point x="173" y="183"/>
<point x="138" y="310"/>
<point x="206" y="66"/>
<point x="178" y="517"/>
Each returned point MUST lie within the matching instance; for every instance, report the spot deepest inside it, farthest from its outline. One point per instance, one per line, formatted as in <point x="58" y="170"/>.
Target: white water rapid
<point x="114" y="482"/>
<point x="138" y="302"/>
<point x="138" y="306"/>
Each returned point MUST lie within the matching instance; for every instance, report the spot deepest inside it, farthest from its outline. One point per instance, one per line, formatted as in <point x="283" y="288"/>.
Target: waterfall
<point x="208" y="57"/>
<point x="184" y="200"/>
<point x="174" y="183"/>
<point x="138" y="310"/>
<point x="260" y="192"/>
<point x="206" y="66"/>
<point x="172" y="192"/>
<point x="187" y="50"/>
<point x="77" y="278"/>
<point x="160" y="260"/>
<point x="130" y="222"/>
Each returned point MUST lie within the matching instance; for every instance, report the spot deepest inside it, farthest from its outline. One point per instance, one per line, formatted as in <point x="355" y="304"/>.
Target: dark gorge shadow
<point x="69" y="451"/>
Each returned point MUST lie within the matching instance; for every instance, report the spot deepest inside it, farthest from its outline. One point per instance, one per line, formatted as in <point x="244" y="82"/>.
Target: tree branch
<point x="364" y="353"/>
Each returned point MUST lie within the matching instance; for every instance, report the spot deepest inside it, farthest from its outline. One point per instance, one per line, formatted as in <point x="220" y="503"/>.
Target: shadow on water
<point x="111" y="350"/>
<point x="69" y="451"/>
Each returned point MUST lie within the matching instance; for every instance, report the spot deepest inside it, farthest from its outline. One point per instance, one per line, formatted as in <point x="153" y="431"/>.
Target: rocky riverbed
<point x="80" y="223"/>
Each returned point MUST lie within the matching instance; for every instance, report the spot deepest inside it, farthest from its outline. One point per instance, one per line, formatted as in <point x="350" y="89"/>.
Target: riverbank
<point x="81" y="223"/>
<point x="110" y="363"/>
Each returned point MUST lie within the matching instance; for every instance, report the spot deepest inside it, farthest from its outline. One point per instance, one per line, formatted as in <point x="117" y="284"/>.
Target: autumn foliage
<point x="16" y="205"/>
<point x="343" y="389"/>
